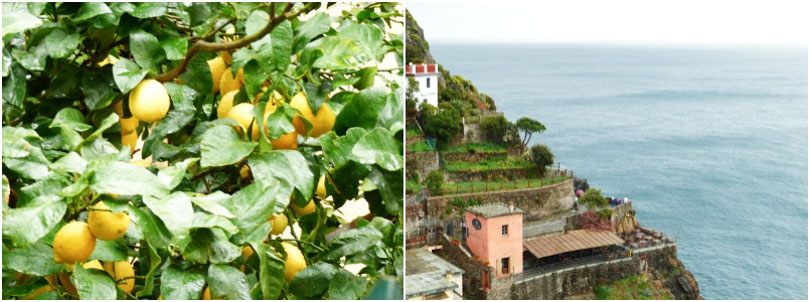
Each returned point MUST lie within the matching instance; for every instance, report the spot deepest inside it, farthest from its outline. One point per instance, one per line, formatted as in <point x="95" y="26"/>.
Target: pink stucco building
<point x="495" y="235"/>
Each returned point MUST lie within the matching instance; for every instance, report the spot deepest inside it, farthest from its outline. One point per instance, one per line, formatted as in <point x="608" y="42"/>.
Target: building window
<point x="485" y="279"/>
<point x="505" y="230"/>
<point x="428" y="82"/>
<point x="505" y="266"/>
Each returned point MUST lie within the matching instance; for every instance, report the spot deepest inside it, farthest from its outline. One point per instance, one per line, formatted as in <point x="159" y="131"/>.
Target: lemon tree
<point x="202" y="150"/>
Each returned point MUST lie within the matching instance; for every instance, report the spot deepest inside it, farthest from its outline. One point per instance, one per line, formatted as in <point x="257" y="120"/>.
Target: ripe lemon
<point x="321" y="123"/>
<point x="93" y="264"/>
<point x="107" y="225"/>
<point x="299" y="101"/>
<point x="244" y="172"/>
<point x="149" y="101"/>
<point x="207" y="294"/>
<point x="279" y="223"/>
<point x="308" y="209"/>
<point x="74" y="242"/>
<point x="119" y="271"/>
<point x="321" y="190"/>
<point x="226" y="56"/>
<point x="131" y="140"/>
<point x="36" y="293"/>
<point x="108" y="60"/>
<point x="217" y="66"/>
<point x="243" y="115"/>
<point x="324" y="121"/>
<point x="226" y="104"/>
<point x="247" y="251"/>
<point x="295" y="261"/>
<point x="287" y="141"/>
<point x="230" y="83"/>
<point x="141" y="163"/>
<point x="127" y="124"/>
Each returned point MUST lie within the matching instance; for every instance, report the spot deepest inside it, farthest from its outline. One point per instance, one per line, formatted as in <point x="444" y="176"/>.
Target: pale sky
<point x="634" y="21"/>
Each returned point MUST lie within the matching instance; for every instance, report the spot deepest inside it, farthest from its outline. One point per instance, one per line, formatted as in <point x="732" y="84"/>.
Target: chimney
<point x="511" y="207"/>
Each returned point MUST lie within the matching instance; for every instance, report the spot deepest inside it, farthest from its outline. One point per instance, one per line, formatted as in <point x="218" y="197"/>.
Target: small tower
<point x="495" y="235"/>
<point x="427" y="75"/>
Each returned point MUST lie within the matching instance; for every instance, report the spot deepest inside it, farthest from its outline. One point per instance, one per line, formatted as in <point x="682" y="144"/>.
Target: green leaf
<point x="71" y="118"/>
<point x="340" y="53"/>
<point x="175" y="49"/>
<point x="289" y="168"/>
<point x="372" y="107"/>
<point x="13" y="87"/>
<point x="93" y="284"/>
<point x="282" y="42"/>
<point x="271" y="271"/>
<point x="367" y="36"/>
<point x="154" y="261"/>
<point x="278" y="123"/>
<point x="150" y="10"/>
<point x="109" y="251"/>
<point x="19" y="21"/>
<point x="127" y="74"/>
<point x="315" y="26"/>
<point x="253" y="204"/>
<point x="181" y="284"/>
<point x="182" y="113"/>
<point x="43" y="191"/>
<point x="338" y="150"/>
<point x="258" y="20"/>
<point x="389" y="185"/>
<point x="213" y="203"/>
<point x="90" y="10"/>
<point x="313" y="280"/>
<point x="98" y="87"/>
<point x="33" y="166"/>
<point x="146" y="49"/>
<point x="171" y="176"/>
<point x="105" y="124"/>
<point x="378" y="146"/>
<point x="60" y="44"/>
<point x="198" y="75"/>
<point x="25" y="225"/>
<point x="174" y="210"/>
<point x="346" y="286"/>
<point x="15" y="143"/>
<point x="153" y="229"/>
<point x="35" y="260"/>
<point x="352" y="242"/>
<point x="204" y="220"/>
<point x="222" y="146"/>
<point x="126" y="179"/>
<point x="227" y="282"/>
<point x="210" y="245"/>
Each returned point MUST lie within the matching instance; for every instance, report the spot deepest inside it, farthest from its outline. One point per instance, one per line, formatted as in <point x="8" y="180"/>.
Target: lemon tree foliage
<point x="201" y="151"/>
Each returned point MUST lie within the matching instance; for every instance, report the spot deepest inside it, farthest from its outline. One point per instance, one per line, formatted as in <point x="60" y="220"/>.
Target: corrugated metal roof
<point x="571" y="241"/>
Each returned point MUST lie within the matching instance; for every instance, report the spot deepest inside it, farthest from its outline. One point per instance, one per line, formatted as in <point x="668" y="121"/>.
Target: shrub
<point x="593" y="199"/>
<point x="494" y="129"/>
<point x="434" y="182"/>
<point x="542" y="157"/>
<point x="444" y="125"/>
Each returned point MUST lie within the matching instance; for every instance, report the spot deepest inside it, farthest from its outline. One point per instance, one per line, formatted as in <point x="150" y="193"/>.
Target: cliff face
<point x="451" y="87"/>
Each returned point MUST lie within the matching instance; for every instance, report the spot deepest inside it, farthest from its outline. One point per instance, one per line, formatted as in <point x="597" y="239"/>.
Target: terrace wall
<point x="491" y="174"/>
<point x="421" y="163"/>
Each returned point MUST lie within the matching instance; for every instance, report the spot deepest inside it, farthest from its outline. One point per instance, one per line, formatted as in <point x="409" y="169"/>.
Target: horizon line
<point x="626" y="42"/>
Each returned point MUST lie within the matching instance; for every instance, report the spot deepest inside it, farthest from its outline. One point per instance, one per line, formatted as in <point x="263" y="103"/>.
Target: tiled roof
<point x="571" y="241"/>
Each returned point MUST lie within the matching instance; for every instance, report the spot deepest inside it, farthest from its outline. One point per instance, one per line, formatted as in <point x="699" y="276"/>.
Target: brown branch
<point x="209" y="46"/>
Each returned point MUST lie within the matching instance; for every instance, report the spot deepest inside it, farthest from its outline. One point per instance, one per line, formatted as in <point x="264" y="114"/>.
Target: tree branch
<point x="209" y="46"/>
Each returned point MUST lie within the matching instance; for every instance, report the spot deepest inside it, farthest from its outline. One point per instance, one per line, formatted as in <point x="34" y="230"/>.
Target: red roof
<point x="421" y="68"/>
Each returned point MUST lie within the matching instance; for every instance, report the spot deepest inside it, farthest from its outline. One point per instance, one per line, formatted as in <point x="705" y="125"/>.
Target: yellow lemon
<point x="142" y="163"/>
<point x="279" y="223"/>
<point x="207" y="294"/>
<point x="299" y="101"/>
<point x="226" y="104"/>
<point x="244" y="172"/>
<point x="74" y="242"/>
<point x="247" y="251"/>
<point x="295" y="261"/>
<point x="226" y="56"/>
<point x="217" y="66"/>
<point x="323" y="122"/>
<point x="243" y="115"/>
<point x="287" y="141"/>
<point x="121" y="270"/>
<point x="107" y="225"/>
<point x="308" y="209"/>
<point x="37" y="292"/>
<point x="321" y="190"/>
<point x="108" y="60"/>
<point x="131" y="140"/>
<point x="230" y="83"/>
<point x="149" y="101"/>
<point x="95" y="264"/>
<point x="127" y="124"/>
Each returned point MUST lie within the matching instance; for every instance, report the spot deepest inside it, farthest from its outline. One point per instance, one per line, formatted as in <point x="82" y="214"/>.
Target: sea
<point x="709" y="142"/>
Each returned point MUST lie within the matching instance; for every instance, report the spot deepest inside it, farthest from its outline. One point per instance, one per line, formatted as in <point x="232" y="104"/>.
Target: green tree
<point x="444" y="125"/>
<point x="434" y="182"/>
<point x="90" y="89"/>
<point x="542" y="157"/>
<point x="529" y="126"/>
<point x="593" y="199"/>
<point x="410" y="98"/>
<point x="500" y="131"/>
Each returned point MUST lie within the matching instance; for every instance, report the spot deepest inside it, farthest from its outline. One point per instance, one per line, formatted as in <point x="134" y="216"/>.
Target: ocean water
<point x="709" y="142"/>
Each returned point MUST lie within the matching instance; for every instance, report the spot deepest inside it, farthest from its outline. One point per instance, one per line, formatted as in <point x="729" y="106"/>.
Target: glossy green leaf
<point x="150" y="10"/>
<point x="153" y="229"/>
<point x="25" y="225"/>
<point x="288" y="169"/>
<point x="352" y="242"/>
<point x="174" y="210"/>
<point x="378" y="146"/>
<point x="222" y="146"/>
<point x="271" y="271"/>
<point x="175" y="48"/>
<point x="317" y="25"/>
<point x="93" y="284"/>
<point x="71" y="118"/>
<point x="109" y="251"/>
<point x="90" y="10"/>
<point x="227" y="282"/>
<point x="198" y="75"/>
<point x="346" y="286"/>
<point x="127" y="74"/>
<point x="146" y="49"/>
<point x="126" y="179"/>
<point x="181" y="284"/>
<point x="313" y="280"/>
<point x="214" y="203"/>
<point x="171" y="176"/>
<point x="18" y="21"/>
<point x="35" y="260"/>
<point x="253" y="205"/>
<point x="205" y="220"/>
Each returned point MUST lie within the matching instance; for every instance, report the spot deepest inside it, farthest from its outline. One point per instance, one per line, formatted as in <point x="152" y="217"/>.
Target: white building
<point x="427" y="75"/>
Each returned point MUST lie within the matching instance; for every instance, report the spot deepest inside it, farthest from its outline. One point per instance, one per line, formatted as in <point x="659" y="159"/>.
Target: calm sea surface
<point x="709" y="142"/>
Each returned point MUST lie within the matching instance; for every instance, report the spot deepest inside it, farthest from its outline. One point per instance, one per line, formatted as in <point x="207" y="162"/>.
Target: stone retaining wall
<point x="421" y="163"/>
<point x="473" y="156"/>
<point x="492" y="174"/>
<point x="535" y="202"/>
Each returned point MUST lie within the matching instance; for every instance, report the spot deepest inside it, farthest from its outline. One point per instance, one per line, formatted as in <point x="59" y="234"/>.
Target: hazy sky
<point x="636" y="21"/>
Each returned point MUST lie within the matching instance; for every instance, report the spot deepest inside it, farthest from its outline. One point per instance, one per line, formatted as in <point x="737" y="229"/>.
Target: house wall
<point x="429" y="94"/>
<point x="489" y="244"/>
